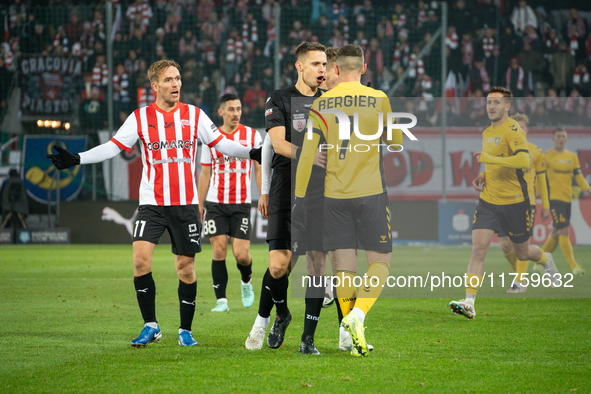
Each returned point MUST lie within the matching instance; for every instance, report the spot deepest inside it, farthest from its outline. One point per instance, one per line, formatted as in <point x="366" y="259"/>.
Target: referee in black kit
<point x="286" y="127"/>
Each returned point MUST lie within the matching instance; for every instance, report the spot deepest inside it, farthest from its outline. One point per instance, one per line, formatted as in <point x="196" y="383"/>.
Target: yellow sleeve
<point x="579" y="178"/>
<point x="396" y="134"/>
<point x="542" y="187"/>
<point x="520" y="160"/>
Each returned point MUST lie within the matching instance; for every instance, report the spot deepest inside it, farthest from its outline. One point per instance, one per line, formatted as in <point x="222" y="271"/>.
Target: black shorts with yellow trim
<point x="358" y="223"/>
<point x="227" y="219"/>
<point x="181" y="221"/>
<point x="514" y="220"/>
<point x="560" y="211"/>
<point x="532" y="215"/>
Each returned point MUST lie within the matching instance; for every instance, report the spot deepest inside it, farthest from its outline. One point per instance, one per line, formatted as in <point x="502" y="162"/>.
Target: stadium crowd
<point x="537" y="48"/>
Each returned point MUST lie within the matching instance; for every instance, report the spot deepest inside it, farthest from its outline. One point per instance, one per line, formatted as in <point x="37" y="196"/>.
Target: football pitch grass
<point x="69" y="312"/>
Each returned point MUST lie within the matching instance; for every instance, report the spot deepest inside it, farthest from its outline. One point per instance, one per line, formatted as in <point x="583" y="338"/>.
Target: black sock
<point x="187" y="294"/>
<point x="278" y="289"/>
<point x="266" y="301"/>
<point x="245" y="271"/>
<point x="219" y="273"/>
<point x="314" y="300"/>
<point x="145" y="290"/>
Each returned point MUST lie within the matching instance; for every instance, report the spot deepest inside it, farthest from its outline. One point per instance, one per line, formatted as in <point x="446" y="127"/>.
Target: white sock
<point x="182" y="329"/>
<point x="152" y="324"/>
<point x="343" y="334"/>
<point x="223" y="300"/>
<point x="470" y="298"/>
<point x="262" y="321"/>
<point x="244" y="284"/>
<point x="359" y="313"/>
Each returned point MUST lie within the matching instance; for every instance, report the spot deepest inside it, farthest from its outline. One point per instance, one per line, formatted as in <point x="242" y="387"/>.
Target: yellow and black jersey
<point x="561" y="167"/>
<point x="537" y="165"/>
<point x="354" y="153"/>
<point x="504" y="185"/>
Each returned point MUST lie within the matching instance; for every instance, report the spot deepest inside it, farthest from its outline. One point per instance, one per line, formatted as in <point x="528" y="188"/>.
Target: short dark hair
<point x="306" y="47"/>
<point x="504" y="91"/>
<point x="558" y="129"/>
<point x="331" y="54"/>
<point x="350" y="51"/>
<point x="228" y="97"/>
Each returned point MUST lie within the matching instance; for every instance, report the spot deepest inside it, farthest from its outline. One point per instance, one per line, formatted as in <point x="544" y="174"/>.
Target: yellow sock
<point x="567" y="250"/>
<point x="369" y="295"/>
<point x="472" y="285"/>
<point x="550" y="244"/>
<point x="345" y="291"/>
<point x="512" y="259"/>
<point x="521" y="269"/>
<point x="543" y="259"/>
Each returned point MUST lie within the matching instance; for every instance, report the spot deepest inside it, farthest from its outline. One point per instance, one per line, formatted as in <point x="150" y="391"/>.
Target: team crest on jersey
<point x="185" y="122"/>
<point x="299" y="122"/>
<point x="569" y="161"/>
<point x="243" y="142"/>
<point x="497" y="140"/>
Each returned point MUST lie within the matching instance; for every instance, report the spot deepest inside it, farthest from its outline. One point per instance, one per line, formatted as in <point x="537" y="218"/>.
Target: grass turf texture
<point x="69" y="312"/>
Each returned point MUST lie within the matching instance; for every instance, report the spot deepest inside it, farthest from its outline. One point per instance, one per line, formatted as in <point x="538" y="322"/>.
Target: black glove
<point x="368" y="84"/>
<point x="63" y="159"/>
<point x="299" y="215"/>
<point x="256" y="154"/>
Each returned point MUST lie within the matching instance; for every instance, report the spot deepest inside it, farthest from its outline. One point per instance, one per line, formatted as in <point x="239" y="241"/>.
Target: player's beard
<point x="498" y="117"/>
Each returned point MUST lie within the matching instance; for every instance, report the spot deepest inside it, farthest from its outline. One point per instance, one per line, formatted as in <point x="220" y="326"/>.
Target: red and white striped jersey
<point x="230" y="176"/>
<point x="169" y="150"/>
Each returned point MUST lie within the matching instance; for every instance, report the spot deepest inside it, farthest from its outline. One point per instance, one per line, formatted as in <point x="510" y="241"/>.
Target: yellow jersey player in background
<point x="356" y="213"/>
<point x="535" y="176"/>
<point x="562" y="165"/>
<point x="504" y="203"/>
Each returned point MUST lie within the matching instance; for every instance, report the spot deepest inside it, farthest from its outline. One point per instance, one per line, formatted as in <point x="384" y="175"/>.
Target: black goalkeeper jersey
<point x="279" y="112"/>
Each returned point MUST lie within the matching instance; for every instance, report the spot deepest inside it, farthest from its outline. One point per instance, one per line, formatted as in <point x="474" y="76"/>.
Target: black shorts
<point x="358" y="223"/>
<point x="280" y="201"/>
<point x="560" y="213"/>
<point x="532" y="215"/>
<point x="181" y="221"/>
<point x="230" y="219"/>
<point x="513" y="219"/>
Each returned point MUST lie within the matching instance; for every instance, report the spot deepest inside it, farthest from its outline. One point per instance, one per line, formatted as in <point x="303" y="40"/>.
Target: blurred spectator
<point x="374" y="58"/>
<point x="74" y="28"/>
<point x="296" y="35"/>
<point x="93" y="116"/>
<point x="119" y="48"/>
<point x="477" y="109"/>
<point x="234" y="51"/>
<point x="204" y="8"/>
<point x="562" y="68"/>
<point x="252" y="95"/>
<point x="551" y="45"/>
<point x="479" y="78"/>
<point x="515" y="78"/>
<point x="467" y="49"/>
<point x="98" y="27"/>
<point x="199" y="103"/>
<point x="361" y="40"/>
<point x="213" y="29"/>
<point x="579" y="24"/>
<point x="271" y="36"/>
<point x="17" y="15"/>
<point x="581" y="80"/>
<point x="533" y="63"/>
<point x="523" y="15"/>
<point x="460" y="17"/>
<point x="145" y="94"/>
<point x="87" y="40"/>
<point x="140" y="44"/>
<point x="342" y="24"/>
<point x="61" y="41"/>
<point x="510" y="47"/>
<point x="250" y="31"/>
<point x="399" y="17"/>
<point x="268" y="80"/>
<point x="37" y="41"/>
<point x="132" y="63"/>
<point x="188" y="45"/>
<point x="208" y="92"/>
<point x="139" y="13"/>
<point x="577" y="45"/>
<point x="339" y="8"/>
<point x="401" y="50"/>
<point x="487" y="15"/>
<point x="121" y="96"/>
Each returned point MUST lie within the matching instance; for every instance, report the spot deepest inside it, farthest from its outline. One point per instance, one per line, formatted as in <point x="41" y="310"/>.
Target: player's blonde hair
<point x="331" y="55"/>
<point x="519" y="117"/>
<point x="157" y="68"/>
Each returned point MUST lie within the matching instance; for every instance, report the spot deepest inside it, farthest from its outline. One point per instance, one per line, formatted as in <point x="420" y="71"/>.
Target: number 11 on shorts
<point x="139" y="223"/>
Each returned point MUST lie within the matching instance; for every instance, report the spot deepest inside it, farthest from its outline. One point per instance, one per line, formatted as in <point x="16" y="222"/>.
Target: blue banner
<point x="455" y="222"/>
<point x="41" y="176"/>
